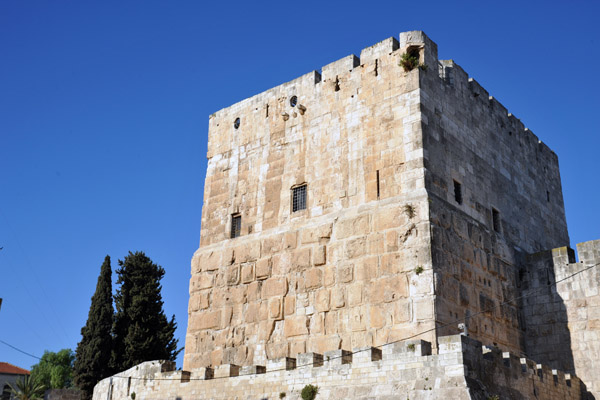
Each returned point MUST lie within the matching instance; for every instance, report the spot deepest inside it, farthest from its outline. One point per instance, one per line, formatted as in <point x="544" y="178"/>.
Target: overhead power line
<point x="454" y="322"/>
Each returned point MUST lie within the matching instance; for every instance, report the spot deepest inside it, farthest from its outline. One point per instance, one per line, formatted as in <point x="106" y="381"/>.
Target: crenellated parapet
<point x="463" y="369"/>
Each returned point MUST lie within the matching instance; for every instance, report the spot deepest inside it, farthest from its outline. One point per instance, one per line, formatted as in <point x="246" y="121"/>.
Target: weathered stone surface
<point x="423" y="197"/>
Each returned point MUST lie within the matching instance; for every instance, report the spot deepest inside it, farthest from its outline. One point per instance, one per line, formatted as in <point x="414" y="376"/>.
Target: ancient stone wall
<point x="494" y="192"/>
<point x="62" y="394"/>
<point x="561" y="310"/>
<point x="463" y="369"/>
<point x="352" y="269"/>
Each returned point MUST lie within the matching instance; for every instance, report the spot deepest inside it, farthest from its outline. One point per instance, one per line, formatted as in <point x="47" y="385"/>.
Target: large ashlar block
<point x="296" y="326"/>
<point x="281" y="364"/>
<point x="339" y="67"/>
<point x="226" y="371"/>
<point x="309" y="360"/>
<point x="337" y="357"/>
<point x="274" y="287"/>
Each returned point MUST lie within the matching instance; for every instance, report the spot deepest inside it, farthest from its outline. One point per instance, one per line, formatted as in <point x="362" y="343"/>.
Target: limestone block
<point x="339" y="67"/>
<point x="309" y="360"/>
<point x="357" y="319"/>
<point x="352" y="227"/>
<point x="389" y="218"/>
<point x="376" y="317"/>
<point x="320" y="255"/>
<point x="206" y="320"/>
<point x="247" y="252"/>
<point x="281" y="364"/>
<point x="296" y="326"/>
<point x="337" y="357"/>
<point x="316" y="234"/>
<point x="253" y="370"/>
<point x="272" y="244"/>
<point x="297" y="347"/>
<point x="355" y="294"/>
<point x="313" y="278"/>
<point x="280" y="263"/>
<point x="338" y="297"/>
<point x="402" y="311"/>
<point x="289" y="305"/>
<point x="324" y="343"/>
<point x="265" y="330"/>
<point x="253" y="291"/>
<point x="226" y="371"/>
<point x="356" y="247"/>
<point x="290" y="240"/>
<point x="367" y="268"/>
<point x="423" y="309"/>
<point x="346" y="273"/>
<point x="329" y="276"/>
<point x="247" y="273"/>
<point x="251" y="313"/>
<point x="233" y="275"/>
<point x="206" y="261"/>
<point x="322" y="300"/>
<point x="274" y="287"/>
<point x="202" y="281"/>
<point x="275" y="308"/>
<point x="317" y="323"/>
<point x="301" y="259"/>
<point x="263" y="268"/>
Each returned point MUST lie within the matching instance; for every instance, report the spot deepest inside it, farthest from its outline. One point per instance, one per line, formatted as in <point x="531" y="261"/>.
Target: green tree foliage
<point x="93" y="354"/>
<point x="27" y="388"/>
<point x="309" y="392"/>
<point x="141" y="329"/>
<point x="55" y="370"/>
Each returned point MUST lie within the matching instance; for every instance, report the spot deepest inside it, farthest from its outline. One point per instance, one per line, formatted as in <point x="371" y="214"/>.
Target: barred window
<point x="236" y="225"/>
<point x="299" y="198"/>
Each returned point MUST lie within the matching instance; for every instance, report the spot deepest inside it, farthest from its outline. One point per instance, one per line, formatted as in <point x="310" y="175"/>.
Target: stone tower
<point x="367" y="204"/>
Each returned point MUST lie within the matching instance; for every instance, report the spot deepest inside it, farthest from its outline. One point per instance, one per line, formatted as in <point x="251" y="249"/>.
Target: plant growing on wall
<point x="309" y="392"/>
<point x="409" y="60"/>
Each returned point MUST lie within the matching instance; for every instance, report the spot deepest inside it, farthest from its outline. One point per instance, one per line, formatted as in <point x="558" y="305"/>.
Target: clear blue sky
<point x="104" y="111"/>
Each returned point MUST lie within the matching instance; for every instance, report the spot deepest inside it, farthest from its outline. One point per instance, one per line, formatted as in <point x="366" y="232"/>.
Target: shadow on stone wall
<point x="545" y="307"/>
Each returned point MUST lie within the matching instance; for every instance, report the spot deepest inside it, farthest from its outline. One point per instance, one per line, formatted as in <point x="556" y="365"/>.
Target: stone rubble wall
<point x="562" y="316"/>
<point x="463" y="369"/>
<point x="62" y="394"/>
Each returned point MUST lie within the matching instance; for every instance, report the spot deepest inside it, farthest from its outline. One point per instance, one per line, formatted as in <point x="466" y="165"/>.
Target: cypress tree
<point x="141" y="329"/>
<point x="93" y="353"/>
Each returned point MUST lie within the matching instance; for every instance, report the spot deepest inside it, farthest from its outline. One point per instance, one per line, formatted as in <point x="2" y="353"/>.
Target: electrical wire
<point x="352" y="352"/>
<point x="454" y="322"/>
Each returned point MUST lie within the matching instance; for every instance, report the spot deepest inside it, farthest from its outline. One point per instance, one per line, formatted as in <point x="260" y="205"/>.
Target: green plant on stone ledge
<point x="309" y="392"/>
<point x="418" y="270"/>
<point x="409" y="210"/>
<point x="411" y="346"/>
<point x="409" y="61"/>
<point x="281" y="395"/>
<point x="494" y="397"/>
<point x="133" y="395"/>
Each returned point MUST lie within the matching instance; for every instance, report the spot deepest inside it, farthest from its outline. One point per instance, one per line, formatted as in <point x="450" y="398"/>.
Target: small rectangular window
<point x="299" y="198"/>
<point x="378" y="191"/>
<point x="236" y="225"/>
<point x="458" y="192"/>
<point x="548" y="196"/>
<point x="496" y="219"/>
